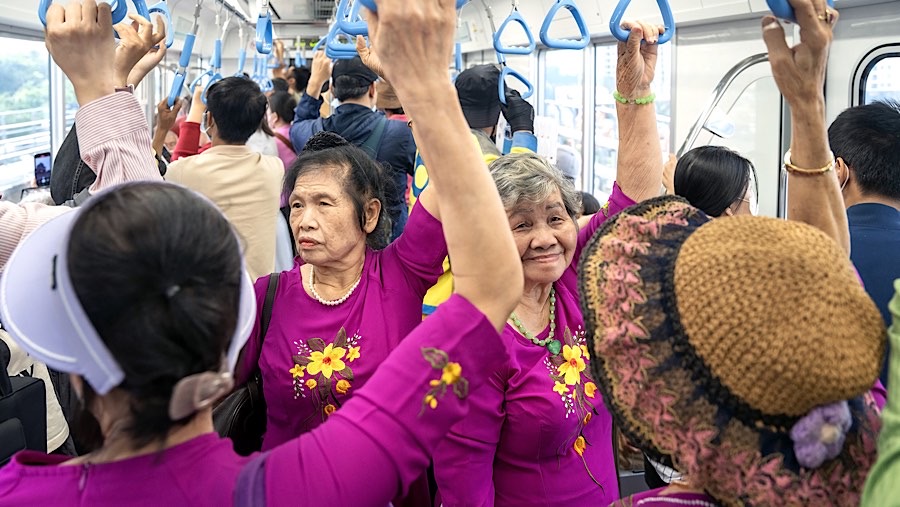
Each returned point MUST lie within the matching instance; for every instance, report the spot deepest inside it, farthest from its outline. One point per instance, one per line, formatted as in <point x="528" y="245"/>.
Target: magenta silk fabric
<point x="518" y="444"/>
<point x="380" y="441"/>
<point x="385" y="308"/>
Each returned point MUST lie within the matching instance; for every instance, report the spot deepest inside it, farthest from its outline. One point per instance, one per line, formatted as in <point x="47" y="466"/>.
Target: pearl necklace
<point x="336" y="302"/>
<point x="553" y="345"/>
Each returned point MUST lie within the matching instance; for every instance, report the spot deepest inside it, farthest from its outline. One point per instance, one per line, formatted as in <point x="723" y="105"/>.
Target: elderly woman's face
<point x="546" y="237"/>
<point x="324" y="220"/>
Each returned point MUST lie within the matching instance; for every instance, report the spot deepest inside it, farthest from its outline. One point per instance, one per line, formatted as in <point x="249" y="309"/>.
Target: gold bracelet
<point x="791" y="168"/>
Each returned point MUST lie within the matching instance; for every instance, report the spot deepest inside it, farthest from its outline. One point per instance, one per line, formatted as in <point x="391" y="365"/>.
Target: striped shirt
<point x="114" y="141"/>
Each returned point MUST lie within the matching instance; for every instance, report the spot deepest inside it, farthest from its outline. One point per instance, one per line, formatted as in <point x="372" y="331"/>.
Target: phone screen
<point x="42" y="169"/>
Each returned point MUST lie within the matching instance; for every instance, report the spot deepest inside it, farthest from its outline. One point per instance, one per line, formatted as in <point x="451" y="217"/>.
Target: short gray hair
<point x="528" y="178"/>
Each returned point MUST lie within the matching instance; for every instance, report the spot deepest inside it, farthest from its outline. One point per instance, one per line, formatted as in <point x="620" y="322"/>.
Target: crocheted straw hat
<point x="741" y="347"/>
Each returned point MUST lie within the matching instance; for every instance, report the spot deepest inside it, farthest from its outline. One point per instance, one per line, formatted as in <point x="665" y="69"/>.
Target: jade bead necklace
<point x="553" y="345"/>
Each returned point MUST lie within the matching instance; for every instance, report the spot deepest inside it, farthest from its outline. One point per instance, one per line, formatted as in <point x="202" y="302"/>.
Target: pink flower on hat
<point x="819" y="436"/>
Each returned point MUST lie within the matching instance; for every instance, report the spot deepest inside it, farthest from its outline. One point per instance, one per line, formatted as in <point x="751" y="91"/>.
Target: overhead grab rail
<point x="242" y="52"/>
<point x="514" y="17"/>
<point x="349" y="20"/>
<point x="552" y="43"/>
<point x="185" y="61"/>
<point x="264" y="29"/>
<point x="717" y="96"/>
<point x="337" y="50"/>
<point x="215" y="63"/>
<point x="119" y="10"/>
<point x="371" y="5"/>
<point x="163" y="10"/>
<point x="505" y="70"/>
<point x="615" y="23"/>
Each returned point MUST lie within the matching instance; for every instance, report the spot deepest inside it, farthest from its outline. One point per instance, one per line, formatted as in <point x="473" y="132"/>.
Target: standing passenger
<point x="152" y="323"/>
<point x="390" y="143"/>
<point x="281" y="113"/>
<point x="866" y="142"/>
<point x="539" y="434"/>
<point x="243" y="183"/>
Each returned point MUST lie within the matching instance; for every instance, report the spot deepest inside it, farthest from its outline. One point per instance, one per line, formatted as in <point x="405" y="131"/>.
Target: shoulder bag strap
<point x="374" y="141"/>
<point x="267" y="306"/>
<point x="286" y="141"/>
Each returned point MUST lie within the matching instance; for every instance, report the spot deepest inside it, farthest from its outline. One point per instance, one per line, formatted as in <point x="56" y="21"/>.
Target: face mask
<point x="204" y="125"/>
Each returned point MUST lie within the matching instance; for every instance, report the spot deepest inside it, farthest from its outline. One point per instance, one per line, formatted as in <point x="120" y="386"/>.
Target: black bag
<point x="242" y="415"/>
<point x="22" y="400"/>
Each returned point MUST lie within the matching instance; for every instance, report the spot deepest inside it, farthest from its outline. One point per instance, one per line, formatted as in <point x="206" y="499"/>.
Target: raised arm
<point x="486" y="265"/>
<point x="639" y="169"/>
<point x="112" y="135"/>
<point x="814" y="194"/>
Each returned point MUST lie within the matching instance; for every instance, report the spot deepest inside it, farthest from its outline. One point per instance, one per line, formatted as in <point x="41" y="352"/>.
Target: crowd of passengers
<point x="434" y="321"/>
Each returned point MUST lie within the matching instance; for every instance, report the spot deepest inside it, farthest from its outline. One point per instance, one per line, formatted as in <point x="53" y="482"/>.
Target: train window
<point x="606" y="137"/>
<point x="882" y="79"/>
<point x="24" y="109"/>
<point x="71" y="104"/>
<point x="563" y="100"/>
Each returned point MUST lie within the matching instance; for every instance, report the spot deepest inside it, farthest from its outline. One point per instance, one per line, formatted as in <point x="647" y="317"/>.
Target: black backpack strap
<point x="374" y="141"/>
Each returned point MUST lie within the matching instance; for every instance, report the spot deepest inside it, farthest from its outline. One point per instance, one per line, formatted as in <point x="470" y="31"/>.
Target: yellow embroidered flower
<point x="329" y="409"/>
<point x="326" y="362"/>
<point x="352" y="354"/>
<point x="451" y="374"/>
<point x="561" y="388"/>
<point x="584" y="350"/>
<point x="573" y="366"/>
<point x="587" y="418"/>
<point x="311" y="384"/>
<point x="342" y="386"/>
<point x="590" y="389"/>
<point x="297" y="370"/>
<point x="580" y="445"/>
<point x="431" y="401"/>
<point x="434" y="383"/>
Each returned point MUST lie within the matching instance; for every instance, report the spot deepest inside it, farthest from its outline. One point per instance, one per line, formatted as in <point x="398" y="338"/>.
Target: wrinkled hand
<point x="800" y="71"/>
<point x="150" y="60"/>
<point x="519" y="114"/>
<point x="669" y="174"/>
<point x="408" y="35"/>
<point x="636" y="65"/>
<point x="80" y="39"/>
<point x="137" y="39"/>
<point x="369" y="57"/>
<point x="166" y="117"/>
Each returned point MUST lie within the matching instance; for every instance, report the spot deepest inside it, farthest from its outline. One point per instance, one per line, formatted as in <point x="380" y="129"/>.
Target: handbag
<point x="242" y="415"/>
<point x="23" y="410"/>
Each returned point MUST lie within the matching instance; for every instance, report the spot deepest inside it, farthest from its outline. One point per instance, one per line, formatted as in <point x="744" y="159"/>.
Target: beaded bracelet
<point x="791" y="168"/>
<point x="640" y="101"/>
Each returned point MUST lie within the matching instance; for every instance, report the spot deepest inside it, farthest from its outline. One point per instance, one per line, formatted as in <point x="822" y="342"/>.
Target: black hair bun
<point x="325" y="140"/>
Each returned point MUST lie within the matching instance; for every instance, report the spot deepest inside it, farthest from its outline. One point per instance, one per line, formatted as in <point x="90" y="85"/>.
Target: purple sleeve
<point x="383" y="438"/>
<point x="249" y="358"/>
<point x="880" y="394"/>
<point x="616" y="203"/>
<point x="419" y="252"/>
<point x="464" y="461"/>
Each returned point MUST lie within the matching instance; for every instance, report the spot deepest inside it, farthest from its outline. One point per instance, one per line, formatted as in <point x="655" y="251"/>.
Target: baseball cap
<point x="354" y="67"/>
<point x="477" y="90"/>
<point x="41" y="310"/>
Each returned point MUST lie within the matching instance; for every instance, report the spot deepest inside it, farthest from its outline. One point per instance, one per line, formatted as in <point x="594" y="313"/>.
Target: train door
<point x="726" y="96"/>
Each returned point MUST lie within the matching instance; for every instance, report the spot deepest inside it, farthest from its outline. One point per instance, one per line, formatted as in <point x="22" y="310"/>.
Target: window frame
<point x="865" y="67"/>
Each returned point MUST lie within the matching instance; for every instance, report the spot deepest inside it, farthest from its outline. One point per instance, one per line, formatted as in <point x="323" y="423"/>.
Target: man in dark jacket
<point x="389" y="142"/>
